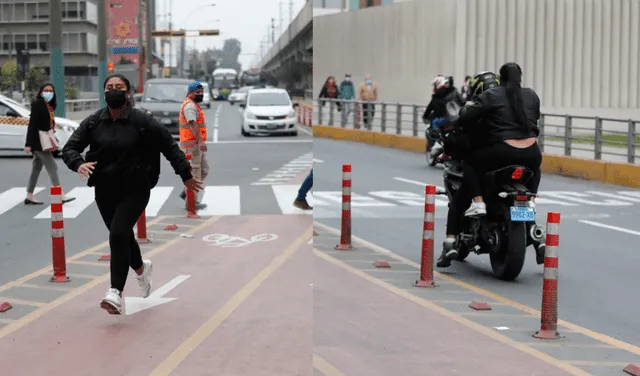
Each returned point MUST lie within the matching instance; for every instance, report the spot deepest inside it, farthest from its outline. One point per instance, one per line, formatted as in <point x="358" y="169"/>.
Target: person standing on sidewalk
<point x="347" y="93"/>
<point x="368" y="93"/>
<point x="301" y="200"/>
<point x="193" y="134"/>
<point x="42" y="119"/>
<point x="123" y="164"/>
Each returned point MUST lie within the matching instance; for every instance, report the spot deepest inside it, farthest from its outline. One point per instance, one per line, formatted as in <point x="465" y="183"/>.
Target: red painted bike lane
<point x="242" y="304"/>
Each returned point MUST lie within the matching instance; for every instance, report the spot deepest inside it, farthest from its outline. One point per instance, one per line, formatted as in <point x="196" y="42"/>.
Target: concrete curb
<point x="624" y="174"/>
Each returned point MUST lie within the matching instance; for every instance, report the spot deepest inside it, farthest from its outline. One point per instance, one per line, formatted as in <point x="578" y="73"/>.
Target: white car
<point x="206" y="97"/>
<point x="239" y="95"/>
<point x="14" y="119"/>
<point x="269" y="111"/>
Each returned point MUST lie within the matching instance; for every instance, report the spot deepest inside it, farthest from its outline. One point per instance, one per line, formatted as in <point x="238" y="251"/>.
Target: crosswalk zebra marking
<point x="286" y="194"/>
<point x="289" y="171"/>
<point x="13" y="197"/>
<point x="84" y="198"/>
<point x="221" y="200"/>
<point x="159" y="195"/>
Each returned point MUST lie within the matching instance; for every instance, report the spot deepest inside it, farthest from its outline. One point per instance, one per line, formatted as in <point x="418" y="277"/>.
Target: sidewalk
<point x="238" y="311"/>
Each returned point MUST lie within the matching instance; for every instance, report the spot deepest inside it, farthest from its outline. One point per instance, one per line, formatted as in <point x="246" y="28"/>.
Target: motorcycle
<point x="509" y="226"/>
<point x="435" y="149"/>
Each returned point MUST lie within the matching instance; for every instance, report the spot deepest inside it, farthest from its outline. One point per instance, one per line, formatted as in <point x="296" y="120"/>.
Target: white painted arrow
<point x="134" y="305"/>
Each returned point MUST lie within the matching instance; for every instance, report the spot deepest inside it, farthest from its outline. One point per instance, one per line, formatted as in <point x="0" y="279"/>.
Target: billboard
<point x="123" y="32"/>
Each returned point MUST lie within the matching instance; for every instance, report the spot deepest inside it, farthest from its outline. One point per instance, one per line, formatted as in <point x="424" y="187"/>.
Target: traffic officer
<point x="193" y="134"/>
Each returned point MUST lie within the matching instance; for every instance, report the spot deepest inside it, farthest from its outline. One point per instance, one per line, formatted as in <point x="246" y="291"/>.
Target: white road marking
<point x="13" y="197"/>
<point x="221" y="200"/>
<point x="159" y="195"/>
<point x="305" y="131"/>
<point x="288" y="171"/>
<point x="84" y="198"/>
<point x="609" y="227"/>
<point x="286" y="194"/>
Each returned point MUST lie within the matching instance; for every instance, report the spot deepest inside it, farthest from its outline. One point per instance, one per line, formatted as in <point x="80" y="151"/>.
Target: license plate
<point x="522" y="214"/>
<point x="166" y="121"/>
<point x="272" y="126"/>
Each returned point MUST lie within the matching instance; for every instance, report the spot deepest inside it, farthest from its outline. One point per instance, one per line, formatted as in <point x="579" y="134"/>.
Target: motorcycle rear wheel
<point x="508" y="261"/>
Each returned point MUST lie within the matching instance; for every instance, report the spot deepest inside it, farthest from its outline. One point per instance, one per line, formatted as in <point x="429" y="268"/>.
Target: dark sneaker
<point x="449" y="252"/>
<point x="200" y="206"/>
<point x="302" y="204"/>
<point x="183" y="195"/>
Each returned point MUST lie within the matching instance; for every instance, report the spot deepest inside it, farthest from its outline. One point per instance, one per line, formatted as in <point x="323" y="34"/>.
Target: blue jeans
<point x="305" y="187"/>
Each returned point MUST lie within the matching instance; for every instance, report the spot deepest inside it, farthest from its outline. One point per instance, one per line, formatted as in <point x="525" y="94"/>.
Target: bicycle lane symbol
<point x="229" y="241"/>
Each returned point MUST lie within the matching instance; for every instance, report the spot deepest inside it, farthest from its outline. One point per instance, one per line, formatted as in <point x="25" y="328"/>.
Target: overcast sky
<point x="245" y="20"/>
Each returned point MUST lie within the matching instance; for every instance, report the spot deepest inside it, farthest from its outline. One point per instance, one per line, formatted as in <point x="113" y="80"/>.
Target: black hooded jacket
<point x="438" y="105"/>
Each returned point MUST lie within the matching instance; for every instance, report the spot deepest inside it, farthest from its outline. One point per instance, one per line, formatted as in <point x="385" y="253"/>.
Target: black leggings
<point x="498" y="156"/>
<point x="457" y="206"/>
<point x="120" y="208"/>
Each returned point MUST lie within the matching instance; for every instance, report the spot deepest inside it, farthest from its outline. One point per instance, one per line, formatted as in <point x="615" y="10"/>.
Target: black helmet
<point x="482" y="82"/>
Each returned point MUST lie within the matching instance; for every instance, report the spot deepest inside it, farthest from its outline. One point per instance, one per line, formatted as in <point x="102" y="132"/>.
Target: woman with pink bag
<point x="41" y="141"/>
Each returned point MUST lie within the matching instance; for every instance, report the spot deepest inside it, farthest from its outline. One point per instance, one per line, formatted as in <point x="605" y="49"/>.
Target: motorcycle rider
<point x="443" y="94"/>
<point x="466" y="139"/>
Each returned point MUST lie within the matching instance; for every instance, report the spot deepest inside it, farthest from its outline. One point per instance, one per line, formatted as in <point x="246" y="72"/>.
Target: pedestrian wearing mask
<point x="123" y="164"/>
<point x="42" y="121"/>
<point x="193" y="134"/>
<point x="347" y="93"/>
<point x="369" y="94"/>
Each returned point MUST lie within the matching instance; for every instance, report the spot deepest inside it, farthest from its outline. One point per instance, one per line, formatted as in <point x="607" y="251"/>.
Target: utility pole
<point x="102" y="49"/>
<point x="290" y="11"/>
<point x="280" y="14"/>
<point x="149" y="45"/>
<point x="56" y="70"/>
<point x="142" y="5"/>
<point x="273" y="30"/>
<point x="170" y="40"/>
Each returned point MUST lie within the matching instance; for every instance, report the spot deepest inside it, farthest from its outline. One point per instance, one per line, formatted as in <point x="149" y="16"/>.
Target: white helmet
<point x="440" y="82"/>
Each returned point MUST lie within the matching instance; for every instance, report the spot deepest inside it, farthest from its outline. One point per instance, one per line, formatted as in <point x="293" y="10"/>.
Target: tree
<point x="35" y="79"/>
<point x="8" y="75"/>
<point x="230" y="53"/>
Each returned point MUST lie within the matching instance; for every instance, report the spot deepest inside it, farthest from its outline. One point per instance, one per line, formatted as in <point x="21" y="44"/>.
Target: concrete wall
<point x="574" y="53"/>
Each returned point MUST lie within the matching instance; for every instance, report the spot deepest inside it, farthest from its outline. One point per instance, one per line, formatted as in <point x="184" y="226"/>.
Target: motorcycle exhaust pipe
<point x="537" y="233"/>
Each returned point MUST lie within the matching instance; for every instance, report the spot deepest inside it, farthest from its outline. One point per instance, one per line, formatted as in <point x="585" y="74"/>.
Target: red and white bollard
<point x="57" y="237"/>
<point x="299" y="111"/>
<point x="426" y="264"/>
<point x="142" y="229"/>
<point x="549" y="311"/>
<point x="345" y="231"/>
<point x="191" y="199"/>
<point x="308" y="115"/>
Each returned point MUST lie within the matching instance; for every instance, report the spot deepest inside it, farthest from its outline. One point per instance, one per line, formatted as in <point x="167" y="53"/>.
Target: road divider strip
<point x="624" y="174"/>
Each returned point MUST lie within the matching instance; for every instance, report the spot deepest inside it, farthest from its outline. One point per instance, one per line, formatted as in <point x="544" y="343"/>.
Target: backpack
<point x="149" y="153"/>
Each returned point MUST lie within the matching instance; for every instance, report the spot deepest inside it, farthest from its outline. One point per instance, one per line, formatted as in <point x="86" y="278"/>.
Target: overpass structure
<point x="290" y="58"/>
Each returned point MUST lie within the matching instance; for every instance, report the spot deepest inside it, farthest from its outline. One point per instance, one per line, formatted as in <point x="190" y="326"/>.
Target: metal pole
<point x="57" y="58"/>
<point x="170" y="39"/>
<point x="290" y="11"/>
<point x="281" y="30"/>
<point x="142" y="4"/>
<point x="273" y="30"/>
<point x="149" y="68"/>
<point x="102" y="49"/>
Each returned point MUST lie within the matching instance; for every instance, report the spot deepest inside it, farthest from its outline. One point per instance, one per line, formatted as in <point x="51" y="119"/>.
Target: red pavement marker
<point x="57" y="237"/>
<point x="480" y="306"/>
<point x="105" y="258"/>
<point x="426" y="265"/>
<point x="345" y="233"/>
<point x="549" y="311"/>
<point x="5" y="306"/>
<point x="632" y="369"/>
<point x="381" y="264"/>
<point x="171" y="227"/>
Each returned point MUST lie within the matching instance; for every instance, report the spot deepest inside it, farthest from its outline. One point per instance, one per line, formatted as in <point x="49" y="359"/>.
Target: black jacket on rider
<point x="437" y="108"/>
<point x="500" y="122"/>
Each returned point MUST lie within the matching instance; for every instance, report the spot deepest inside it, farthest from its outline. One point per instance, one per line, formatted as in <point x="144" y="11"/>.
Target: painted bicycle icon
<point x="229" y="241"/>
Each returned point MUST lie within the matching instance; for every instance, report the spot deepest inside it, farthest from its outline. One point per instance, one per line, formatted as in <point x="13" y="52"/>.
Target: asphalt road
<point x="598" y="246"/>
<point x="236" y="164"/>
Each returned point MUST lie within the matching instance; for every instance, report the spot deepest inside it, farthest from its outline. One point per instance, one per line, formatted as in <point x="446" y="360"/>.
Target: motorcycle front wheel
<point x="508" y="260"/>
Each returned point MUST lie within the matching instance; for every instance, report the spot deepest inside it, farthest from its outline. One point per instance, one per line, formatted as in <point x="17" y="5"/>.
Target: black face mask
<point x="115" y="98"/>
<point x="198" y="98"/>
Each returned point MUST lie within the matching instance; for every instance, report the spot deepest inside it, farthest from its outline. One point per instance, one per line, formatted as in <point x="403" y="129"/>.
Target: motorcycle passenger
<point x="510" y="116"/>
<point x="465" y="140"/>
<point x="444" y="93"/>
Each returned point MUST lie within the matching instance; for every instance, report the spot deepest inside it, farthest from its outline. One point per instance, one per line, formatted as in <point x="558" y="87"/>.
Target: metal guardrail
<point x="78" y="105"/>
<point x="606" y="139"/>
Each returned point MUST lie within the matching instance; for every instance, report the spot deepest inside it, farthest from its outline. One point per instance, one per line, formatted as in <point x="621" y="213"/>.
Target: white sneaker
<point x="476" y="209"/>
<point x="112" y="302"/>
<point x="144" y="280"/>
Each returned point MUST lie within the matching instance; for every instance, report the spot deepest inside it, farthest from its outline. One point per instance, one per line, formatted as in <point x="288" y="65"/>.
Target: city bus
<point x="224" y="80"/>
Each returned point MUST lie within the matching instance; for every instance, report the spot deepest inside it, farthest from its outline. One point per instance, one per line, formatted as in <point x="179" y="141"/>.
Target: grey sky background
<point x="245" y="20"/>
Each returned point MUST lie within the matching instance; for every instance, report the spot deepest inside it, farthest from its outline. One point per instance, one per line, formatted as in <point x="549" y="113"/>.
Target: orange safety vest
<point x="187" y="138"/>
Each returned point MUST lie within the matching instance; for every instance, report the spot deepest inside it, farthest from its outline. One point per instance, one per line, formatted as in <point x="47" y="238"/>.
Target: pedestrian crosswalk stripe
<point x="286" y="194"/>
<point x="13" y="197"/>
<point x="221" y="200"/>
<point x="84" y="198"/>
<point x="159" y="195"/>
<point x="289" y="171"/>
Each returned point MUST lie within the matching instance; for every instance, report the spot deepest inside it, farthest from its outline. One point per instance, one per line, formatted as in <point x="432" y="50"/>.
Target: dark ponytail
<point x="511" y="78"/>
